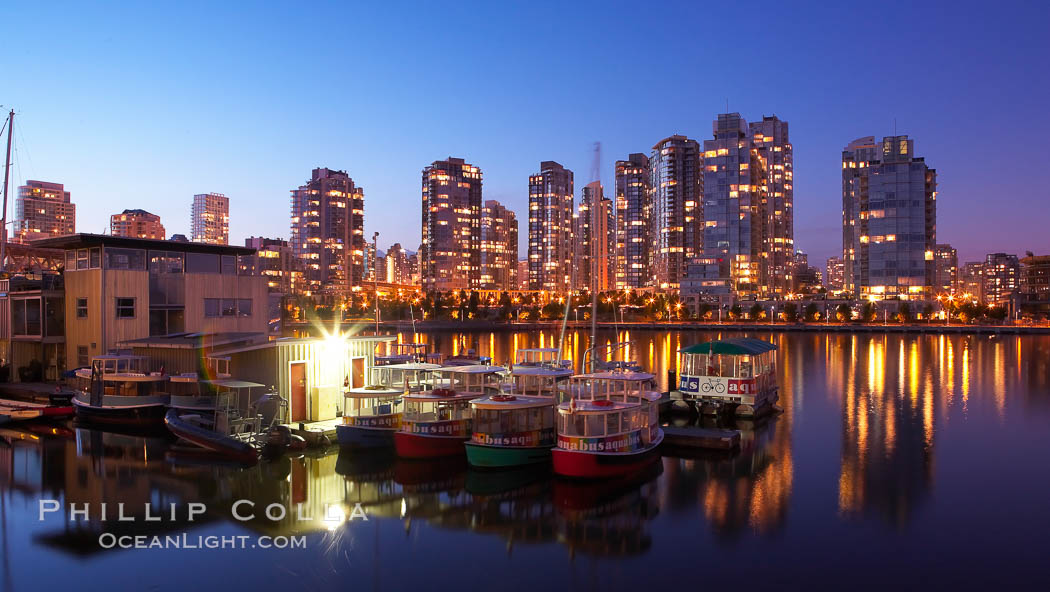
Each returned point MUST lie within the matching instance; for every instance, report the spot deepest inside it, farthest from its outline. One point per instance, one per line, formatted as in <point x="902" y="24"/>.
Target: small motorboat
<point x="120" y="390"/>
<point x="228" y="446"/>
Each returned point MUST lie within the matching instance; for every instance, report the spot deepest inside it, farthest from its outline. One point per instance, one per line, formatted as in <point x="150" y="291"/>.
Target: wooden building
<point x="310" y="373"/>
<point x="32" y="327"/>
<point x="119" y="289"/>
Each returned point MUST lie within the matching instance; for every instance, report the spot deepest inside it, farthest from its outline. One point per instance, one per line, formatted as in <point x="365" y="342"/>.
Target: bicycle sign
<point x="717" y="385"/>
<point x="710" y="385"/>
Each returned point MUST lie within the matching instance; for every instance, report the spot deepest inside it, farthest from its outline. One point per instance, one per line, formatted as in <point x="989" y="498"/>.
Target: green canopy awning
<point x="744" y="346"/>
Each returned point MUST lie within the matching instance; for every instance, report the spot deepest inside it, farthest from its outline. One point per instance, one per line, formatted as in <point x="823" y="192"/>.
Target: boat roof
<point x="365" y="393"/>
<point x="626" y="376"/>
<point x="540" y="371"/>
<point x="740" y="346"/>
<point x="232" y="383"/>
<point x="599" y="406"/>
<point x="285" y="341"/>
<point x="430" y="396"/>
<point x="549" y="350"/>
<point x="474" y="369"/>
<point x="513" y="402"/>
<point x="411" y="366"/>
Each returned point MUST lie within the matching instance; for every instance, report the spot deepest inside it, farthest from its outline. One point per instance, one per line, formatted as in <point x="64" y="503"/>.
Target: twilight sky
<point x="141" y="106"/>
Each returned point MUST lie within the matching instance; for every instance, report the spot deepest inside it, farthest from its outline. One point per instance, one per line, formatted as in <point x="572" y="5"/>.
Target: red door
<point x="357" y="367"/>
<point x="298" y="390"/>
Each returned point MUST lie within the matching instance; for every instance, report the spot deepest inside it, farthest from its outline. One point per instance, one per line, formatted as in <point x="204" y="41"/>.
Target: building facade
<point x="807" y="279"/>
<point x="748" y="203"/>
<point x="633" y="207"/>
<point x="118" y="289"/>
<point x="594" y="224"/>
<point x="137" y="224"/>
<point x="550" y="228"/>
<point x="395" y="268"/>
<point x="210" y="219"/>
<point x="276" y="262"/>
<point x="450" y="256"/>
<point x="499" y="247"/>
<point x="523" y="274"/>
<point x="776" y="157"/>
<point x="328" y="233"/>
<point x="1035" y="285"/>
<point x="945" y="270"/>
<point x="677" y="215"/>
<point x="971" y="280"/>
<point x="835" y="275"/>
<point x="889" y="219"/>
<point x="1001" y="275"/>
<point x="32" y="326"/>
<point x="43" y="210"/>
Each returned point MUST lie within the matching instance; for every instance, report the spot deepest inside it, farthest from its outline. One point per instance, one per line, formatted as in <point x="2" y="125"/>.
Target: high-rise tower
<point x="550" y="227"/>
<point x="450" y="256"/>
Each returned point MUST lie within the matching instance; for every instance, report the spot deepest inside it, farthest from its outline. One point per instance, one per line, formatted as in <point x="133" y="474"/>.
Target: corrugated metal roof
<point x="741" y="346"/>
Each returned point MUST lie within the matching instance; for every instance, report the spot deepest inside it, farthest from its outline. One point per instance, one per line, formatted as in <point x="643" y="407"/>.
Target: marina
<point x="521" y="296"/>
<point x="815" y="472"/>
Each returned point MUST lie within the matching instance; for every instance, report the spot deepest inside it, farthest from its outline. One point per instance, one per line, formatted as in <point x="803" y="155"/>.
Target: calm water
<point x="903" y="461"/>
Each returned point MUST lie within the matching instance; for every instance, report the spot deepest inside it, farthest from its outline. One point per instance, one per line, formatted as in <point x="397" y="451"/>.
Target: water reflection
<point x="888" y="429"/>
<point x="866" y="422"/>
<point x="749" y="489"/>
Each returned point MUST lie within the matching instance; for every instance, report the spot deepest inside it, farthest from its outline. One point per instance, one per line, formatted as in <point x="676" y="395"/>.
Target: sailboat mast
<point x="7" y="172"/>
<point x="565" y="317"/>
<point x="594" y="298"/>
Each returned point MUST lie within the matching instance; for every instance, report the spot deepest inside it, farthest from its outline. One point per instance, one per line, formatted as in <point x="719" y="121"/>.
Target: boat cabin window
<point x="374" y="406"/>
<point x="614" y="390"/>
<point x="470" y="382"/>
<point x="742" y="366"/>
<point x="506" y="421"/>
<point x="603" y="424"/>
<point x="536" y="385"/>
<point x="427" y="410"/>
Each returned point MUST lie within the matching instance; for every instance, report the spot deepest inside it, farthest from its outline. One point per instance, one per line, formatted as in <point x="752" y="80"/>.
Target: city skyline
<point x="222" y="146"/>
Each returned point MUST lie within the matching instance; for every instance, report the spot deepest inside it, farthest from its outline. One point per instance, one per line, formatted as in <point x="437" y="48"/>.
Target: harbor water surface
<point x="898" y="461"/>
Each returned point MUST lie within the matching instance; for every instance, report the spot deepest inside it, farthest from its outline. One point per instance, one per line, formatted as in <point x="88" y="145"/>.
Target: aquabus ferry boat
<point x="733" y="374"/>
<point x="372" y="414"/>
<point x="435" y="423"/>
<point x="517" y="428"/>
<point x="610" y="427"/>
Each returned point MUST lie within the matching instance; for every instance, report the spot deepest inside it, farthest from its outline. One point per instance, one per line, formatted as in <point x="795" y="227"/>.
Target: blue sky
<point x="143" y="105"/>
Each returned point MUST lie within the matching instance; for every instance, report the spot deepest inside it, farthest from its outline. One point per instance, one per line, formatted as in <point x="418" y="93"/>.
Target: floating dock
<point x="701" y="438"/>
<point x="314" y="432"/>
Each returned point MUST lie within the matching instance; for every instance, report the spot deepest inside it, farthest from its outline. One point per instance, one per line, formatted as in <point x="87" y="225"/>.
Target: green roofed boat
<point x="737" y="374"/>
